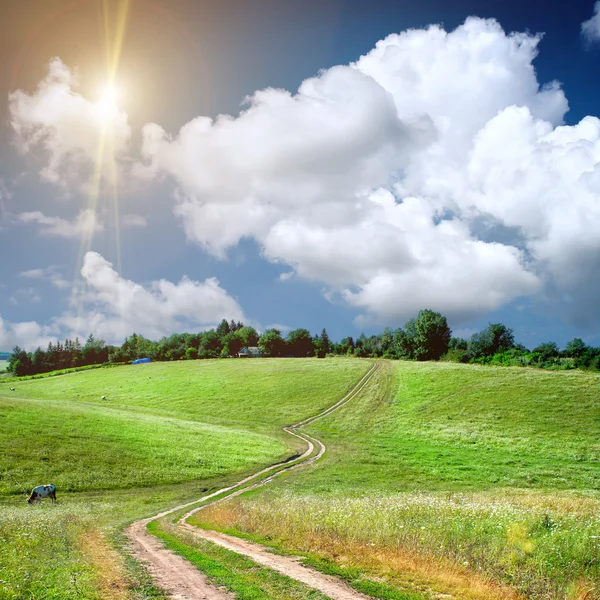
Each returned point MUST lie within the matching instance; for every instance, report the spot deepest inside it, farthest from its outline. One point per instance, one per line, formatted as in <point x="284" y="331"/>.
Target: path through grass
<point x="200" y="423"/>
<point x="449" y="478"/>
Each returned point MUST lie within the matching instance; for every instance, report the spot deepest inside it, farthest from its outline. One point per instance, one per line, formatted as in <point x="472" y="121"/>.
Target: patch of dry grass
<point x="110" y="577"/>
<point x="405" y="568"/>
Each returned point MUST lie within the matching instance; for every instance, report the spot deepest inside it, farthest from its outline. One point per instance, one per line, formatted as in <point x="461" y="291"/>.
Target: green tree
<point x="247" y="336"/>
<point x="428" y="335"/>
<point x="19" y="362"/>
<point x="575" y="348"/>
<point x="346" y="346"/>
<point x="212" y="345"/>
<point x="300" y="343"/>
<point x="546" y="350"/>
<point x="223" y="328"/>
<point x="494" y="339"/>
<point x="323" y="344"/>
<point x="232" y="344"/>
<point x="191" y="353"/>
<point x="271" y="343"/>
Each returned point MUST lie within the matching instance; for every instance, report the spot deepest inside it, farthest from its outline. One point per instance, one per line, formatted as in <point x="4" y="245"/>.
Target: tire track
<point x="185" y="582"/>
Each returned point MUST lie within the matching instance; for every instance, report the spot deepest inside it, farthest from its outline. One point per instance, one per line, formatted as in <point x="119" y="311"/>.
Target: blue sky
<point x="440" y="170"/>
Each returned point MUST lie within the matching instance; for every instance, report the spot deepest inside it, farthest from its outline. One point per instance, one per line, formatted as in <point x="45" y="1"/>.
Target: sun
<point x="107" y="103"/>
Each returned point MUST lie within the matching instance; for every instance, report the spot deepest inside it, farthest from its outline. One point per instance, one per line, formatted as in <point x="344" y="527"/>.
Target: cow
<point x="42" y="491"/>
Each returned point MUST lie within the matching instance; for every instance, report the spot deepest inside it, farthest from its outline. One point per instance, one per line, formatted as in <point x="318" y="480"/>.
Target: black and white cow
<point x="42" y="491"/>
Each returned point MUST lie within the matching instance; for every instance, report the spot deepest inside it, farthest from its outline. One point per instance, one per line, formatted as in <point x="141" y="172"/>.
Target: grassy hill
<point x="165" y="433"/>
<point x="474" y="481"/>
<point x="439" y="479"/>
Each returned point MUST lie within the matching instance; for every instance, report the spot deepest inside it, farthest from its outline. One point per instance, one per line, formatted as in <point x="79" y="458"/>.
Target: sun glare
<point x="107" y="104"/>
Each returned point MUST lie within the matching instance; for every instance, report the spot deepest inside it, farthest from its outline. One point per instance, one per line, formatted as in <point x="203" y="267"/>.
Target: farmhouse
<point x="250" y="352"/>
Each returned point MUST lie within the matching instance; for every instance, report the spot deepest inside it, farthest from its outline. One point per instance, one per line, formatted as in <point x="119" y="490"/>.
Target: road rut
<point x="185" y="582"/>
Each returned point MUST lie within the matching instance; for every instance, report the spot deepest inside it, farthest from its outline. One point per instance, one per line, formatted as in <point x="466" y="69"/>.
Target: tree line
<point x="426" y="337"/>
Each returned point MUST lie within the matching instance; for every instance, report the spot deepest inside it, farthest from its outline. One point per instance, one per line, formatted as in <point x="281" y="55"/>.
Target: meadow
<point x="166" y="433"/>
<point x="447" y="479"/>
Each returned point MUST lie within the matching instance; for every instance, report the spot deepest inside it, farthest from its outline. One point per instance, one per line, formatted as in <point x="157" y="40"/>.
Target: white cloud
<point x="435" y="171"/>
<point x="4" y="196"/>
<point x="131" y="221"/>
<point x="84" y="224"/>
<point x="22" y="295"/>
<point x="113" y="307"/>
<point x="590" y="29"/>
<point x="375" y="178"/>
<point x="27" y="334"/>
<point x="79" y="137"/>
<point x="50" y="274"/>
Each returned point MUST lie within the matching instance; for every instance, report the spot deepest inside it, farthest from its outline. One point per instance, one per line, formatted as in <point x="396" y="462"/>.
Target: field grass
<point x="474" y="481"/>
<point x="260" y="395"/>
<point x="95" y="447"/>
<point x="167" y="433"/>
<point x="3" y="367"/>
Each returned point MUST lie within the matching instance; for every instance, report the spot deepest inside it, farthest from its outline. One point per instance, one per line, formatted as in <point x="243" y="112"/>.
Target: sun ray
<point x="115" y="25"/>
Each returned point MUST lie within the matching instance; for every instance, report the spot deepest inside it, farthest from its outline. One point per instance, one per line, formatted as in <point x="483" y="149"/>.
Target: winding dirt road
<point x="185" y="582"/>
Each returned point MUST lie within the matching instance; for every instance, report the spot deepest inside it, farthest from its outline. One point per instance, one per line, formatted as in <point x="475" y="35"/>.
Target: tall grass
<point x="541" y="547"/>
<point x="40" y="555"/>
<point x="452" y="477"/>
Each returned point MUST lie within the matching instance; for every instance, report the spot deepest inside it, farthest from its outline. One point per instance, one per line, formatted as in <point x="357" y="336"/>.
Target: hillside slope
<point x="449" y="478"/>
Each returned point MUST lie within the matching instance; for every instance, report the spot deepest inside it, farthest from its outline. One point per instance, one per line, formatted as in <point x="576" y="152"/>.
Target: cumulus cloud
<point x="435" y="171"/>
<point x="26" y="334"/>
<point x="51" y="274"/>
<point x="590" y="29"/>
<point x="84" y="224"/>
<point x="114" y="307"/>
<point x="79" y="138"/>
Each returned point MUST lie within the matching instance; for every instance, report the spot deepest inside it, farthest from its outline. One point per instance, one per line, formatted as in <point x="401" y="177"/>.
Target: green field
<point x="449" y="477"/>
<point x="164" y="434"/>
<point x="439" y="479"/>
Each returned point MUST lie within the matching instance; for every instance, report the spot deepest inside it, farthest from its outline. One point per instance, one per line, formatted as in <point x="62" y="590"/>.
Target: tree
<point x="247" y="336"/>
<point x="19" y="362"/>
<point x="223" y="328"/>
<point x="547" y="350"/>
<point x="323" y="344"/>
<point x="495" y="338"/>
<point x="212" y="345"/>
<point x="94" y="351"/>
<point x="346" y="346"/>
<point x="427" y="337"/>
<point x="231" y="345"/>
<point x="271" y="343"/>
<point x="575" y="348"/>
<point x="457" y="343"/>
<point x="299" y="343"/>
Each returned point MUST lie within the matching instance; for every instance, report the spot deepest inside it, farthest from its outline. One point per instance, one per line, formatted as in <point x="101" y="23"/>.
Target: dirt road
<point x="184" y="582"/>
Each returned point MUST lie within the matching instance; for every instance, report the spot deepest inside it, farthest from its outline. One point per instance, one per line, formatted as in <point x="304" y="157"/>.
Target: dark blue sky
<point x="189" y="58"/>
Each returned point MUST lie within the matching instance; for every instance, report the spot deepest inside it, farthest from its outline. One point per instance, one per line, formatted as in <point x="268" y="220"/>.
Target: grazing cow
<point x="42" y="491"/>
